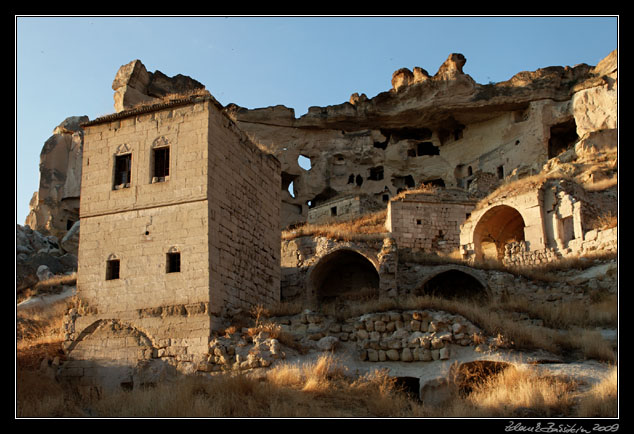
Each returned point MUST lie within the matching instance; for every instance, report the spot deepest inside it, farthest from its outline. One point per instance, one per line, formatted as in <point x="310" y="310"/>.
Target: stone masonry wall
<point x="244" y="219"/>
<point x="140" y="224"/>
<point x="430" y="226"/>
<point x="594" y="242"/>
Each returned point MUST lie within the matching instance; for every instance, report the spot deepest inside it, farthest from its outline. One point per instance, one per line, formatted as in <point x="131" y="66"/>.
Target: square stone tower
<point x="180" y="218"/>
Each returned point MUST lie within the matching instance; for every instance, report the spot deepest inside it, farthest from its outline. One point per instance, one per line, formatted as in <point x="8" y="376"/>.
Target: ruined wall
<point x="427" y="222"/>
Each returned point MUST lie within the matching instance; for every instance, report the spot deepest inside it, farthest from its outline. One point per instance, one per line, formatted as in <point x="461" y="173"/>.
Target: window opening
<point x="122" y="171"/>
<point x="376" y="173"/>
<point x="173" y="262"/>
<point x="161" y="164"/>
<point x="359" y="180"/>
<point x="426" y="148"/>
<point x="351" y="179"/>
<point x="304" y="162"/>
<point x="501" y="172"/>
<point x="386" y="197"/>
<point x="333" y="211"/>
<point x="112" y="269"/>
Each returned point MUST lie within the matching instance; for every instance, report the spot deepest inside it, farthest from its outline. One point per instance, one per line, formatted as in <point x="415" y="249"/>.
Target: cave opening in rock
<point x="344" y="273"/>
<point x="453" y="284"/>
<point x="562" y="137"/>
<point x="426" y="148"/>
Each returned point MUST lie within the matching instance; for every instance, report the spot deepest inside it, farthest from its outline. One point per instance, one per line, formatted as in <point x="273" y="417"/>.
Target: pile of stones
<point x="412" y="336"/>
<point x="408" y="336"/>
<point x="239" y="351"/>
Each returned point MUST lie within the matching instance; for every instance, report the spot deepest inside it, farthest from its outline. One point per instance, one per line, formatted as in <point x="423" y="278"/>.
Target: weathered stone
<point x="392" y="354"/>
<point x="406" y="355"/>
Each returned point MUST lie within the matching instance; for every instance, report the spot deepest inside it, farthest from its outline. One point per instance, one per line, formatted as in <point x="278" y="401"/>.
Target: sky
<point x="65" y="65"/>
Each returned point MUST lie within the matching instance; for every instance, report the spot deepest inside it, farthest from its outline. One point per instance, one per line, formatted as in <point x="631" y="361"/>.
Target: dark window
<point x="427" y="148"/>
<point x="173" y="262"/>
<point x="333" y="211"/>
<point x="122" y="170"/>
<point x="386" y="198"/>
<point x="161" y="163"/>
<point x="419" y="222"/>
<point x="501" y="172"/>
<point x="376" y="173"/>
<point x="112" y="269"/>
<point x="351" y="179"/>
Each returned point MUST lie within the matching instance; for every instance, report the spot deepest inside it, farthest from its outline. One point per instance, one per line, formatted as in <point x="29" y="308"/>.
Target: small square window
<point x="112" y="269"/>
<point x="173" y="262"/>
<point x="419" y="222"/>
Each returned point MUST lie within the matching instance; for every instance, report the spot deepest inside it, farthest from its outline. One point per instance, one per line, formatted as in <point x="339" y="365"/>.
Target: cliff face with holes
<point x="444" y="129"/>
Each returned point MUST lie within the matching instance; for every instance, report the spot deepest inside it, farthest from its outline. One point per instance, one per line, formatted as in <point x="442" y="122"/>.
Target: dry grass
<point x="370" y="226"/>
<point x="321" y="389"/>
<point x="602" y="399"/>
<point x="518" y="392"/>
<point x="606" y="220"/>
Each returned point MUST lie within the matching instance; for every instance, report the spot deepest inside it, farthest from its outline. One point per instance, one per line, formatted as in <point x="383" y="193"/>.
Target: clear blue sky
<point x="64" y="66"/>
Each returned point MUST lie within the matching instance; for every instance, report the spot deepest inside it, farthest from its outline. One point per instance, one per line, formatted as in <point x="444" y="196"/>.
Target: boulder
<point x="327" y="343"/>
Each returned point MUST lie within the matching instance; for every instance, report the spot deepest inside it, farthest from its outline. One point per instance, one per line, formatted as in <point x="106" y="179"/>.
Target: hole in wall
<point x="453" y="284"/>
<point x="304" y="162"/>
<point x="343" y="272"/>
<point x="562" y="137"/>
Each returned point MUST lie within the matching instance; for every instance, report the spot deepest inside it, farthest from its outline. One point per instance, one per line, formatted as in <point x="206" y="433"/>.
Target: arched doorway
<point x="497" y="227"/>
<point x="453" y="283"/>
<point x="343" y="273"/>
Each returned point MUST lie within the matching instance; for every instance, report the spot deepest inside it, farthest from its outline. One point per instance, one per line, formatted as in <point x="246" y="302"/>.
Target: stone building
<point x="429" y="221"/>
<point x="534" y="223"/>
<point x="180" y="222"/>
<point x="343" y="208"/>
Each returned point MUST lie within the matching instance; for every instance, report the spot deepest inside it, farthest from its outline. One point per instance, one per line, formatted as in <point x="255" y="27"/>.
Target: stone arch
<point x="342" y="272"/>
<point x="498" y="226"/>
<point x="113" y="329"/>
<point x="111" y="354"/>
<point x="454" y="281"/>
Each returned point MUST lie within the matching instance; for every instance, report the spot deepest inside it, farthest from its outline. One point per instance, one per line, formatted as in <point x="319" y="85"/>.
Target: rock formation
<point x="444" y="129"/>
<point x="54" y="208"/>
<point x="134" y="85"/>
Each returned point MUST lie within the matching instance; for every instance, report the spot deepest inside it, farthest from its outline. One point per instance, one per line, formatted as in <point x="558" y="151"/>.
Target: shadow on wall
<point x="453" y="284"/>
<point x="497" y="227"/>
<point x="342" y="273"/>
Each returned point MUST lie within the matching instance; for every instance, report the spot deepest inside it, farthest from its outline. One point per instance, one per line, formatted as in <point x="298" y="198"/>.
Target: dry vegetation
<point x="367" y="227"/>
<point x="323" y="388"/>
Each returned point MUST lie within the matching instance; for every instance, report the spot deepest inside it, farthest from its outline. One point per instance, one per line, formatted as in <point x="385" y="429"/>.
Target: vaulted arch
<point x="342" y="272"/>
<point x="454" y="282"/>
<point x="497" y="227"/>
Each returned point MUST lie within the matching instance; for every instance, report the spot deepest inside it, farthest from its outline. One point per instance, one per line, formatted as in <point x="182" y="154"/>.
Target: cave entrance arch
<point x="341" y="273"/>
<point x="454" y="284"/>
<point x="497" y="227"/>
